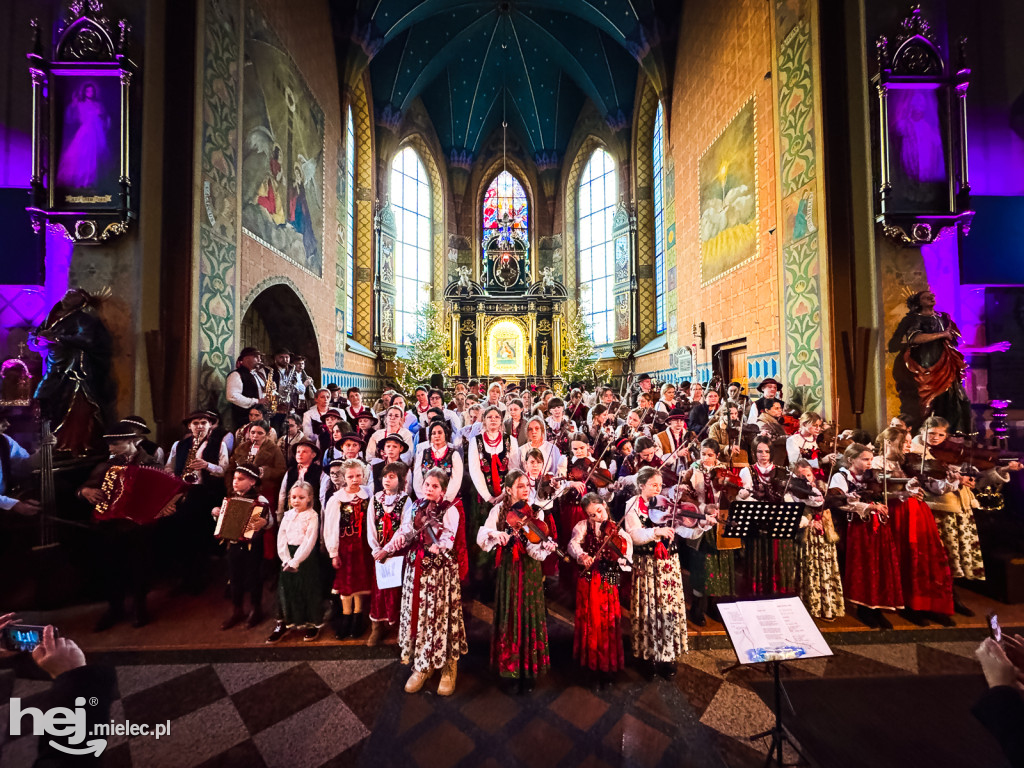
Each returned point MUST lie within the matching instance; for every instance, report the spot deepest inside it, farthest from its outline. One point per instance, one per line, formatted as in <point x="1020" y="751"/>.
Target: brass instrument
<point x="270" y="391"/>
<point x="191" y="476"/>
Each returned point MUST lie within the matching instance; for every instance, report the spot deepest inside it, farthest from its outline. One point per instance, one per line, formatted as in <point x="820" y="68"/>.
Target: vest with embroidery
<point x="486" y="462"/>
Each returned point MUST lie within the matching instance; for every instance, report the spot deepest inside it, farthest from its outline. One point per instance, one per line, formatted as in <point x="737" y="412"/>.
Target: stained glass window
<point x="658" y="148"/>
<point x="505" y="195"/>
<point x="597" y="196"/>
<point x="350" y="223"/>
<point x="410" y="197"/>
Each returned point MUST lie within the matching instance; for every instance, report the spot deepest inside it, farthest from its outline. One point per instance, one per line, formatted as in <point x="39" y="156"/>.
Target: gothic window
<point x="658" y="148"/>
<point x="410" y="198"/>
<point x="597" y="196"/>
<point x="350" y="222"/>
<point x="505" y="195"/>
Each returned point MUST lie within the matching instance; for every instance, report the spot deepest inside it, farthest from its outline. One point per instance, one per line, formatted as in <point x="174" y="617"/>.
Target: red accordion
<point x="139" y="494"/>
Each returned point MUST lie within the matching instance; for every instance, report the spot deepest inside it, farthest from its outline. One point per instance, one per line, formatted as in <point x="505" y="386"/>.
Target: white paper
<point x="389" y="573"/>
<point x="772" y="630"/>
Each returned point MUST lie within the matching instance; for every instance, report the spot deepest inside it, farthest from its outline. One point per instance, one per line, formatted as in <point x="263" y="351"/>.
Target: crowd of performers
<point x="517" y="496"/>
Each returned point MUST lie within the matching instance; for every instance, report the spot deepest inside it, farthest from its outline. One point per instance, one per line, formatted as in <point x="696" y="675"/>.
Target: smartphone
<point x="994" y="630"/>
<point x="22" y="637"/>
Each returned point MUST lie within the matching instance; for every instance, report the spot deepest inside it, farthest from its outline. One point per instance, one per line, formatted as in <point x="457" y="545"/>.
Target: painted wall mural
<point x="802" y="337"/>
<point x="727" y="175"/>
<point x="283" y="151"/>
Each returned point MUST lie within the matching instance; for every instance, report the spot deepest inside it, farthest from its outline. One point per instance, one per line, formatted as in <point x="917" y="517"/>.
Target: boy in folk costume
<point x="519" y="646"/>
<point x="387" y="509"/>
<point x="658" y="606"/>
<point x="245" y="558"/>
<point x="604" y="550"/>
<point x="432" y="634"/>
<point x="344" y="517"/>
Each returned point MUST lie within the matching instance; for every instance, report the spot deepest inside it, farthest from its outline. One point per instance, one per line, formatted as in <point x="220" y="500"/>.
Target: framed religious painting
<point x="80" y="144"/>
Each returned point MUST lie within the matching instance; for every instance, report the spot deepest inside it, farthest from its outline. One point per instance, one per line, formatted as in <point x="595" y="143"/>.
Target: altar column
<point x="481" y="343"/>
<point x="531" y="362"/>
<point x="556" y="343"/>
<point x="455" y="337"/>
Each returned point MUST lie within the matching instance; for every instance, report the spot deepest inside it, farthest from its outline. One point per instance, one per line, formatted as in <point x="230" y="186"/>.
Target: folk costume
<point x="771" y="563"/>
<point x="298" y="589"/>
<point x="712" y="570"/>
<point x="450" y="462"/>
<point x="344" y="517"/>
<point x="245" y="562"/>
<point x="821" y="586"/>
<point x="383" y="519"/>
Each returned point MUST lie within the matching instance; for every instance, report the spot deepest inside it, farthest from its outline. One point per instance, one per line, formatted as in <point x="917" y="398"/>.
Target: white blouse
<point x="297" y="529"/>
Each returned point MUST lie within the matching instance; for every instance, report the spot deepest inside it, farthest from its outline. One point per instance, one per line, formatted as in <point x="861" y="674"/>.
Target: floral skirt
<point x="298" y="592"/>
<point x="356" y="574"/>
<point x="431" y="632"/>
<point x="772" y="566"/>
<point x="872" y="565"/>
<point x="959" y="533"/>
<point x="597" y="643"/>
<point x="924" y="567"/>
<point x="658" y="609"/>
<point x="713" y="573"/>
<point x="519" y="644"/>
<point x="821" y="587"/>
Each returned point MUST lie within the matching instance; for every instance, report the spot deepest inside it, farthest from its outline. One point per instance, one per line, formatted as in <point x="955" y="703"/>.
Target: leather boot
<point x="416" y="681"/>
<point x="697" y="610"/>
<point x="447" y="684"/>
<point x="237" y="615"/>
<point x="342" y="626"/>
<point x="376" y="634"/>
<point x="959" y="606"/>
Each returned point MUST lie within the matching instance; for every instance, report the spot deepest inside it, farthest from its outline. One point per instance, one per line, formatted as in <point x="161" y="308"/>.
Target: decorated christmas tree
<point x="579" y="357"/>
<point x="426" y="350"/>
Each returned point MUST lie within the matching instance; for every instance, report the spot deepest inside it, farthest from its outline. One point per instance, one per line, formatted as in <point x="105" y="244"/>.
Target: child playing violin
<point x="432" y="634"/>
<point x="821" y="585"/>
<point x="658" y="606"/>
<point x="519" y="647"/>
<point x="603" y="549"/>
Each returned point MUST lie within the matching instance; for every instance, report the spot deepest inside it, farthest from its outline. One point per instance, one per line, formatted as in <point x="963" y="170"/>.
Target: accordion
<point x="140" y="494"/>
<point x="235" y="516"/>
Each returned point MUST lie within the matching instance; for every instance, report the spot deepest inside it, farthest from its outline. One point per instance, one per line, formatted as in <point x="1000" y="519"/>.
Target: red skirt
<point x="356" y="572"/>
<point x="924" y="565"/>
<point x="872" y="565"/>
<point x="385" y="604"/>
<point x="597" y="642"/>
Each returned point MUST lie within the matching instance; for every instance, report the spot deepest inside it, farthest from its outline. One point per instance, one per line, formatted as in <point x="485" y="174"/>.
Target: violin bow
<point x="835" y="446"/>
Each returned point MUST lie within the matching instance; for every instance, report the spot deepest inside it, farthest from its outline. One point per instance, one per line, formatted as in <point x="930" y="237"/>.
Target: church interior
<point x="698" y="267"/>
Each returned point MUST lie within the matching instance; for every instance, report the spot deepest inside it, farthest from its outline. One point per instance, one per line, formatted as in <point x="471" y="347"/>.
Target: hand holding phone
<point x="21" y="637"/>
<point x="994" y="630"/>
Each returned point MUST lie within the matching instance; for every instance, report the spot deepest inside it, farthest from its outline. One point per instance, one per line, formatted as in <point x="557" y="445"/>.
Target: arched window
<point x="505" y="195"/>
<point x="350" y="223"/>
<point x="658" y="148"/>
<point x="596" y="209"/>
<point x="410" y="197"/>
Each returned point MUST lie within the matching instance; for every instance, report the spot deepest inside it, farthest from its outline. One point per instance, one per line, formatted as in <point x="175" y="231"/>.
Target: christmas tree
<point x="427" y="350"/>
<point x="579" y="357"/>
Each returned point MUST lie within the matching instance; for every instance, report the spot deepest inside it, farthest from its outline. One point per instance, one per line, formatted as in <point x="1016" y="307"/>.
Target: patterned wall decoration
<point x="217" y="102"/>
<point x="643" y="162"/>
<point x="805" y="324"/>
<point x="341" y="259"/>
<point x="363" y="331"/>
<point x="761" y="367"/>
<point x="370" y="385"/>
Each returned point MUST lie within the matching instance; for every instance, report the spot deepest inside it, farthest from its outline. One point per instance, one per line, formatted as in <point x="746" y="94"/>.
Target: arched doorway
<point x="278" y="318"/>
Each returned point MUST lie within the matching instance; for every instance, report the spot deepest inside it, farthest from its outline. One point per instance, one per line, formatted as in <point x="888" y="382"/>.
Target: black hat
<point x="123" y="430"/>
<point x="212" y="415"/>
<point x="246" y="468"/>
<point x="333" y="387"/>
<point x="678" y="413"/>
<point x="332" y="412"/>
<point x="247" y="351"/>
<point x="352" y="437"/>
<point x="735" y="384"/>
<point x="766" y="382"/>
<point x="643" y="377"/>
<point x="305" y="441"/>
<point x="282" y="351"/>
<point x="394" y="437"/>
<point x="196" y="414"/>
<point x="366" y="413"/>
<point x="139" y="423"/>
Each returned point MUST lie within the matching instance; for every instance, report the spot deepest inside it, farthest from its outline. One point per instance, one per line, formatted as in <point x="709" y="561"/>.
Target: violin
<point x="957" y="451"/>
<point x="533" y="529"/>
<point x="612" y="546"/>
<point x="589" y="471"/>
<point x="678" y="514"/>
<point x="798" y="488"/>
<point x="729" y="486"/>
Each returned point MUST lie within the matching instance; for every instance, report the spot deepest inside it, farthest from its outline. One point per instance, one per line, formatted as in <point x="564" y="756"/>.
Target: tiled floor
<point x="234" y="701"/>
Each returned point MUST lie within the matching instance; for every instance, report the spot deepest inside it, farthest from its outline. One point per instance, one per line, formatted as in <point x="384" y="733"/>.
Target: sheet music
<point x="772" y="630"/>
<point x="389" y="573"/>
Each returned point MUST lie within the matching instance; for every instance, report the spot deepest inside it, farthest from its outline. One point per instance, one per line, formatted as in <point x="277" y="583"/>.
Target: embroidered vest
<point x="488" y="463"/>
<point x="387" y="522"/>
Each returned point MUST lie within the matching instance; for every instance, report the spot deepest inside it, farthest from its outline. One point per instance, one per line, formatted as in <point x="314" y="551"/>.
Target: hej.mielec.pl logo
<point x="70" y="726"/>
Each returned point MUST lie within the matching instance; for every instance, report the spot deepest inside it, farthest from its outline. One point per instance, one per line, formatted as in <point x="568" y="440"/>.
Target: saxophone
<point x="270" y="392"/>
<point x="191" y="476"/>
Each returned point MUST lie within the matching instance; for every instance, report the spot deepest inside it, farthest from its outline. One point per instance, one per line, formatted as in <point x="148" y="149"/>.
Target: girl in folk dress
<point x="387" y="509"/>
<point x="298" y="588"/>
<point x="658" y="607"/>
<point x="519" y="647"/>
<point x="960" y="536"/>
<point x="491" y="455"/>
<point x="821" y="587"/>
<point x="432" y="634"/>
<point x="597" y="643"/>
<point x="344" y="517"/>
<point x="771" y="563"/>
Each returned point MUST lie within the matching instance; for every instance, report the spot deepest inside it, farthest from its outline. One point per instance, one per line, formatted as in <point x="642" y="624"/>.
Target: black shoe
<point x="915" y="617"/>
<point x="526" y="684"/>
<point x="959" y="607"/>
<point x="234" y="619"/>
<point x="311" y="633"/>
<point x="280" y="630"/>
<point x="360" y="621"/>
<point x="667" y="670"/>
<point x="697" y="609"/>
<point x="869" y="616"/>
<point x="255" y="618"/>
<point x="648" y="669"/>
<point x="109" y="618"/>
<point x="508" y="685"/>
<point x="343" y="626"/>
<point x="883" y="622"/>
<point x="942" y="619"/>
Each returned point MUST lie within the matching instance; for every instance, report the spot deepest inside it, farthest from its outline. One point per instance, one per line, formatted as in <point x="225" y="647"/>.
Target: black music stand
<point x="764" y="519"/>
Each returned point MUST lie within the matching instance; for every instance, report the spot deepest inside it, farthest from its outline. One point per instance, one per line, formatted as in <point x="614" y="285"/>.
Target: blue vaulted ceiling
<point x="533" y="61"/>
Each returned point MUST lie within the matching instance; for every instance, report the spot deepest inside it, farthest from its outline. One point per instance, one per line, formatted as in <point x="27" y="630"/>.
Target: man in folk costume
<point x="770" y="389"/>
<point x="394" y="424"/>
<point x="245" y="386"/>
<point x="313" y="419"/>
<point x="291" y="389"/>
<point x="124" y="551"/>
<point x="308" y="469"/>
<point x="201" y="460"/>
